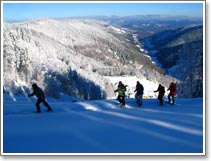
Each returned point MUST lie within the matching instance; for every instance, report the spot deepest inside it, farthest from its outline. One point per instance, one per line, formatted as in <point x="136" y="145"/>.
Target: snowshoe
<point x="121" y="105"/>
<point x="49" y="110"/>
<point x="138" y="103"/>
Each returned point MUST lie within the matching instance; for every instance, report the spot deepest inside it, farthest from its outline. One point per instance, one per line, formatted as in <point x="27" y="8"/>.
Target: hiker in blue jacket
<point x="139" y="93"/>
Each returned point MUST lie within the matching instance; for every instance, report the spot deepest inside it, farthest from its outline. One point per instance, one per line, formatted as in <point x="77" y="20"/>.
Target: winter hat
<point x="34" y="85"/>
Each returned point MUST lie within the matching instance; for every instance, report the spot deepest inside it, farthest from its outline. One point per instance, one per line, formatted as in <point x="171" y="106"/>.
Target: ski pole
<point x="32" y="101"/>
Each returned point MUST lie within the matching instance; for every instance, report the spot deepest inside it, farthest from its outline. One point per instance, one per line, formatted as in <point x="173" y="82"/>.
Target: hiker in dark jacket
<point x="161" y="92"/>
<point x="139" y="93"/>
<point x="40" y="97"/>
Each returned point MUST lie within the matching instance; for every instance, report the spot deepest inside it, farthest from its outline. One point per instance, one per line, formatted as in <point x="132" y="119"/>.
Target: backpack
<point x="121" y="90"/>
<point x="174" y="87"/>
<point x="140" y="88"/>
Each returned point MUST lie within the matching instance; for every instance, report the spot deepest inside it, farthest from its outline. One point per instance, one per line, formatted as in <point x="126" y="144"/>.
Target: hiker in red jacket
<point x="172" y="93"/>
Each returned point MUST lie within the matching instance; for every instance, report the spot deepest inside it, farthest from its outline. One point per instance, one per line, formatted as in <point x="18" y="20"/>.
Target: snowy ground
<point x="130" y="81"/>
<point x="96" y="127"/>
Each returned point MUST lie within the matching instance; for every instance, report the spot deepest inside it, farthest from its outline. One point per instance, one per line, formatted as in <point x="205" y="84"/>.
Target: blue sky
<point x="22" y="11"/>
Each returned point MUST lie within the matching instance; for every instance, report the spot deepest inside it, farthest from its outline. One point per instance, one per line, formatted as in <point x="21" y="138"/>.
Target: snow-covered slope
<point x="71" y="56"/>
<point x="103" y="127"/>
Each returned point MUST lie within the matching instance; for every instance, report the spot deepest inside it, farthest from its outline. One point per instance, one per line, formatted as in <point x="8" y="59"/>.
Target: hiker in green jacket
<point x="121" y="93"/>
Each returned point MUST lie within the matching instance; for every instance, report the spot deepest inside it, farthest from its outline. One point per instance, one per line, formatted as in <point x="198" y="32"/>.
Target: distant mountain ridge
<point x="180" y="52"/>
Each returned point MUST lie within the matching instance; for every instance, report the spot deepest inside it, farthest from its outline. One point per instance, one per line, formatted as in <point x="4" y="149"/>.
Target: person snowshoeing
<point x="161" y="92"/>
<point x="172" y="93"/>
<point x="40" y="98"/>
<point x="139" y="93"/>
<point x="121" y="93"/>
